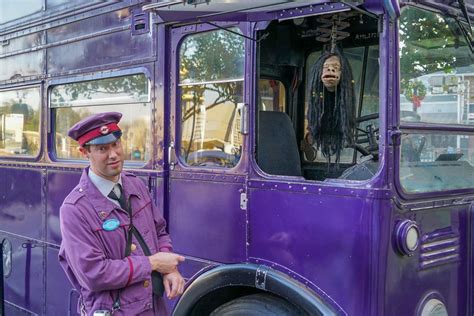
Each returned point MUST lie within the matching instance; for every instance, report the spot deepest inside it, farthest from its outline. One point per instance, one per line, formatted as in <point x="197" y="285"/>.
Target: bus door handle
<point x="244" y="114"/>
<point x="171" y="156"/>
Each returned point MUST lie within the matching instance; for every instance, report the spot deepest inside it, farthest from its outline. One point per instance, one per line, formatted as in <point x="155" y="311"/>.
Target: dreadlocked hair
<point x="331" y="114"/>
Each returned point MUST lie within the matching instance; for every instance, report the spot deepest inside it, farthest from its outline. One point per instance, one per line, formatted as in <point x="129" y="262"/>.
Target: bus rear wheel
<point x="257" y="305"/>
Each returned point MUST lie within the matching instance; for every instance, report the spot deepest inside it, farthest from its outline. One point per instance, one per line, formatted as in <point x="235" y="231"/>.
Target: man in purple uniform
<point x="114" y="249"/>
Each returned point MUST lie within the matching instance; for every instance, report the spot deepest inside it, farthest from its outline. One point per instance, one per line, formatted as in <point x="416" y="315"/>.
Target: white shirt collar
<point x="103" y="185"/>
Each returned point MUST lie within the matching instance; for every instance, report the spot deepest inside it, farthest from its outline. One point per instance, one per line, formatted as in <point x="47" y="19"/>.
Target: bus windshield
<point x="436" y="69"/>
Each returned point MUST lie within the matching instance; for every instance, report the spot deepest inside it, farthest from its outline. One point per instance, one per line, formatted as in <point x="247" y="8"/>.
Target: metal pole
<point x="2" y="285"/>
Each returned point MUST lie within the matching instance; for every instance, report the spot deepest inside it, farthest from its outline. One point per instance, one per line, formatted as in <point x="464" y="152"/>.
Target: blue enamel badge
<point x="111" y="224"/>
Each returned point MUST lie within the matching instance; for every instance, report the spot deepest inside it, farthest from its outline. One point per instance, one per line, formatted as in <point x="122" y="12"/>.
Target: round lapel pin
<point x="111" y="224"/>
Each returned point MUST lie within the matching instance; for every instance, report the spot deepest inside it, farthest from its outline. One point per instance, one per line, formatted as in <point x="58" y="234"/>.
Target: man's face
<point x="331" y="73"/>
<point x="105" y="160"/>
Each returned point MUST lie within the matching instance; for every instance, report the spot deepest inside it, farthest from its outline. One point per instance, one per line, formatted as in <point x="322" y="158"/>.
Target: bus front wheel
<point x="257" y="305"/>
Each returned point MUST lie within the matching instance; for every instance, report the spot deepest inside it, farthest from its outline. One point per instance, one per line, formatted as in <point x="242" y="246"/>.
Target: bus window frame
<point x="176" y="125"/>
<point x="412" y="128"/>
<point x="147" y="71"/>
<point x="26" y="158"/>
<point x="382" y="111"/>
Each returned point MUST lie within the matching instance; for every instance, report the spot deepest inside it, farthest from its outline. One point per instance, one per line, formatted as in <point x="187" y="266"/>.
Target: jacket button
<point x="146" y="283"/>
<point x="133" y="247"/>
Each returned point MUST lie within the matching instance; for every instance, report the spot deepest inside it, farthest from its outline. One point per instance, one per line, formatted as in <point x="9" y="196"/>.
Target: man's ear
<point x="84" y="151"/>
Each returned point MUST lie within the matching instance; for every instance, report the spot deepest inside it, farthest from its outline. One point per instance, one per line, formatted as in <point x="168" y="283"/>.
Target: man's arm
<point x="84" y="254"/>
<point x="164" y="240"/>
<point x="172" y="279"/>
<point x="165" y="262"/>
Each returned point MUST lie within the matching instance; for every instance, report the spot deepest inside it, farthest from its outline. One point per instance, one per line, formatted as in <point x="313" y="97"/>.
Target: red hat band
<point x="97" y="132"/>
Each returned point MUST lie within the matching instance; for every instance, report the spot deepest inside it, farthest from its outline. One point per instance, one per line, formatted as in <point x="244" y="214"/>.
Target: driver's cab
<point x="287" y="53"/>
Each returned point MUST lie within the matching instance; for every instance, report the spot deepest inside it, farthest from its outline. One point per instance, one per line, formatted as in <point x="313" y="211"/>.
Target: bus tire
<point x="257" y="305"/>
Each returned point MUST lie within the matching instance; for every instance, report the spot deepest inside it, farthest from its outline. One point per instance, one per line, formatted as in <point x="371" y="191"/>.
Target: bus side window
<point x="128" y="95"/>
<point x="20" y="122"/>
<point x="434" y="92"/>
<point x="434" y="162"/>
<point x="211" y="87"/>
<point x="300" y="71"/>
<point x="366" y="101"/>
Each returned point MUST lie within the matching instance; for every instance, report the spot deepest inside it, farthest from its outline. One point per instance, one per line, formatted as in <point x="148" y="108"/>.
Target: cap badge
<point x="111" y="224"/>
<point x="104" y="130"/>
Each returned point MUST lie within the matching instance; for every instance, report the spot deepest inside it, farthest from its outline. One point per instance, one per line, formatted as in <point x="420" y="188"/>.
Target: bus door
<point x="207" y="122"/>
<point x="318" y="216"/>
<point x="206" y="165"/>
<point x="435" y="160"/>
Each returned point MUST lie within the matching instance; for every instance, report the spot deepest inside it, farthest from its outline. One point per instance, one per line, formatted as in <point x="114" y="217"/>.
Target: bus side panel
<point x="158" y="194"/>
<point x="21" y="203"/>
<point x="471" y="258"/>
<point x="21" y="213"/>
<point x="206" y="221"/>
<point x="111" y="47"/>
<point x="326" y="239"/>
<point x="60" y="183"/>
<point x="61" y="296"/>
<point x="24" y="286"/>
<point x="438" y="269"/>
<point x="11" y="309"/>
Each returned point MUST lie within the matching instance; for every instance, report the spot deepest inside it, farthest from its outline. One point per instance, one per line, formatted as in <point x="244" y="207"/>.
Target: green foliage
<point x="428" y="44"/>
<point x="212" y="56"/>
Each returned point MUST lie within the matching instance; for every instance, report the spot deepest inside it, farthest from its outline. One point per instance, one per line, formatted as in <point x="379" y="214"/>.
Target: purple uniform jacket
<point x="93" y="258"/>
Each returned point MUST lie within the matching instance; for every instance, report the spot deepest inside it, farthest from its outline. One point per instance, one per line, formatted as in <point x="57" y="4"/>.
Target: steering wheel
<point x="372" y="134"/>
<point x="210" y="158"/>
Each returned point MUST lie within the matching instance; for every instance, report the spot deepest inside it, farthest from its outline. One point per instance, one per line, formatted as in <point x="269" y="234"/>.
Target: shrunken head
<point x="331" y="105"/>
<point x="331" y="74"/>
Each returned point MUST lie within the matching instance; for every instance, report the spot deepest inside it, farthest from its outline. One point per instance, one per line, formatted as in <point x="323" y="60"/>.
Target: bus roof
<point x="243" y="10"/>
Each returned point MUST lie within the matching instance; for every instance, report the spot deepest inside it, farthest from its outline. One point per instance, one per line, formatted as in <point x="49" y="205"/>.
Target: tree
<point x="212" y="56"/>
<point x="429" y="43"/>
<point x="426" y="44"/>
<point x="216" y="57"/>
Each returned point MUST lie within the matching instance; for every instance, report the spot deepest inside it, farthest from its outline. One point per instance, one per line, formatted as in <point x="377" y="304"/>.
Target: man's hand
<point x="174" y="284"/>
<point x="165" y="262"/>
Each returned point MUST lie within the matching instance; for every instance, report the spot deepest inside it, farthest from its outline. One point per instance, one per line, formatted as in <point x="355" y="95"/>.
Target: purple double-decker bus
<point x="215" y="97"/>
